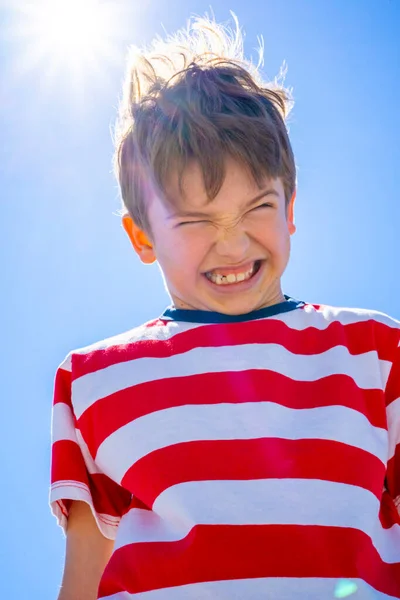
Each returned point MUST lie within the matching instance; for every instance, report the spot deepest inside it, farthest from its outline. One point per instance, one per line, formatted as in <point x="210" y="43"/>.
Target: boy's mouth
<point x="227" y="277"/>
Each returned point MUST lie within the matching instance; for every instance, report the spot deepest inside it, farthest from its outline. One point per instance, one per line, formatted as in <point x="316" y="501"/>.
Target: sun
<point x="75" y="40"/>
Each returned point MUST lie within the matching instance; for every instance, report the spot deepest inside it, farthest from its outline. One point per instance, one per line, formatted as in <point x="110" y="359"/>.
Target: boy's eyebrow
<point x="199" y="215"/>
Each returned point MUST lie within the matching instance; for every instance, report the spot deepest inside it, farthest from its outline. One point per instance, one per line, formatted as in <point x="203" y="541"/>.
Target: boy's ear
<point x="139" y="240"/>
<point x="290" y="214"/>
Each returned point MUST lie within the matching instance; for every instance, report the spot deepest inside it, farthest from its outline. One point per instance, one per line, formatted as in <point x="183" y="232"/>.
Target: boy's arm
<point x="87" y="554"/>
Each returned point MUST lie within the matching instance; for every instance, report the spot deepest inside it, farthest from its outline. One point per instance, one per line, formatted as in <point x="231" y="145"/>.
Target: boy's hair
<point x="195" y="97"/>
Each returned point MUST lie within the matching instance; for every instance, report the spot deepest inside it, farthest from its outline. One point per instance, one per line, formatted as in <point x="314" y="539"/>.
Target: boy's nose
<point x="233" y="244"/>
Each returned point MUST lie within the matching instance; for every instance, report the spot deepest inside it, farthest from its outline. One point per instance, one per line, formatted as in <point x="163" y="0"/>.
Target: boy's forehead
<point x="188" y="190"/>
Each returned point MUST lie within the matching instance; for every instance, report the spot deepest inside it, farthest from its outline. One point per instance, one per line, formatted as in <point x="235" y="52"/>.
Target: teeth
<point x="231" y="277"/>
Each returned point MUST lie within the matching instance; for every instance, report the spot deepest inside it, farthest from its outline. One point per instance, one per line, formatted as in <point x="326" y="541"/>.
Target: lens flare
<point x="345" y="588"/>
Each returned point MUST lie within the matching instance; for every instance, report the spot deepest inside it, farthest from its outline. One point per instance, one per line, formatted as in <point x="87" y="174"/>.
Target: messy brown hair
<point x="193" y="97"/>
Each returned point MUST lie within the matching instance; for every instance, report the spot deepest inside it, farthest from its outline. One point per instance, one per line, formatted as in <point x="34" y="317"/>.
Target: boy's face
<point x="227" y="255"/>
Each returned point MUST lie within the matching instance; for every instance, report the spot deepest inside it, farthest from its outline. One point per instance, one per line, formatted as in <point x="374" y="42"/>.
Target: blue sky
<point x="69" y="275"/>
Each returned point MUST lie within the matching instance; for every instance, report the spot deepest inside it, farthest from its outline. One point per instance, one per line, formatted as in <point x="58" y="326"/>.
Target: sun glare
<point x="74" y="39"/>
<point x="71" y="26"/>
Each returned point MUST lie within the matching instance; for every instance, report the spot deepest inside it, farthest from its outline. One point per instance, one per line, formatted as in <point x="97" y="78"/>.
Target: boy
<point x="244" y="444"/>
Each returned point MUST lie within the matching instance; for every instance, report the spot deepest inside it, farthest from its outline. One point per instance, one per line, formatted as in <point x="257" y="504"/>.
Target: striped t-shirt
<point x="238" y="457"/>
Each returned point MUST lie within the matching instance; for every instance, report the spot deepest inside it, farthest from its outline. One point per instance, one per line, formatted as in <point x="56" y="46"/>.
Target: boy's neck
<point x="276" y="297"/>
<point x="207" y="316"/>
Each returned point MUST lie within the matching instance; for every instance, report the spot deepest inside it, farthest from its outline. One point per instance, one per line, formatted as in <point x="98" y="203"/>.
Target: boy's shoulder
<point x="140" y="335"/>
<point x="326" y="314"/>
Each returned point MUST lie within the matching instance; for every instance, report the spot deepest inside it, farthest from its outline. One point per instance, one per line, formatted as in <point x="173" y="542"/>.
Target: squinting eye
<point x="265" y="205"/>
<point x="190" y="223"/>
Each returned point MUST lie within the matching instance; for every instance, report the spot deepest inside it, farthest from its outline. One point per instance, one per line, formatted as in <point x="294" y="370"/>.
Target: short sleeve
<point x="393" y="422"/>
<point x="74" y="474"/>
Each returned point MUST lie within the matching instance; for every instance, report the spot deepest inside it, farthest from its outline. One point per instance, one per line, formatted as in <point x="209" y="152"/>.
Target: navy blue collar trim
<point x="205" y="316"/>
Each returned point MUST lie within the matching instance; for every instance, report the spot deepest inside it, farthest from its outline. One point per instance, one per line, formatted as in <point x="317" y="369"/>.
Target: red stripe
<point x="393" y="473"/>
<point x="393" y="383"/>
<point x="364" y="336"/>
<point x="388" y="513"/>
<point x="112" y="412"/>
<point x="108" y="497"/>
<point x="62" y="387"/>
<point x="267" y="458"/>
<point x="213" y="553"/>
<point x="159" y="322"/>
<point x="318" y="307"/>
<point x="67" y="462"/>
<point x="68" y="465"/>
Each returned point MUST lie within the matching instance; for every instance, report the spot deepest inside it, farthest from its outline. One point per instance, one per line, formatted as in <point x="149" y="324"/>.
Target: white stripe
<point x="260" y="502"/>
<point x="326" y="315"/>
<point x="393" y="419"/>
<point x="139" y="334"/>
<point x="89" y="462"/>
<point x="271" y="588"/>
<point x="63" y="429"/>
<point x="250" y="420"/>
<point x="66" y="364"/>
<point x="63" y="426"/>
<point x="366" y="369"/>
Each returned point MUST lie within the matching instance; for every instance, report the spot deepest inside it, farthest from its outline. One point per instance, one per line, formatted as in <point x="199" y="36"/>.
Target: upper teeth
<point x="230" y="277"/>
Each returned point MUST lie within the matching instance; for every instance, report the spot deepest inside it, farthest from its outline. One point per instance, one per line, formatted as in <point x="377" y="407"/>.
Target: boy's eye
<point x="264" y="205"/>
<point x="202" y="221"/>
<point x="190" y="223"/>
